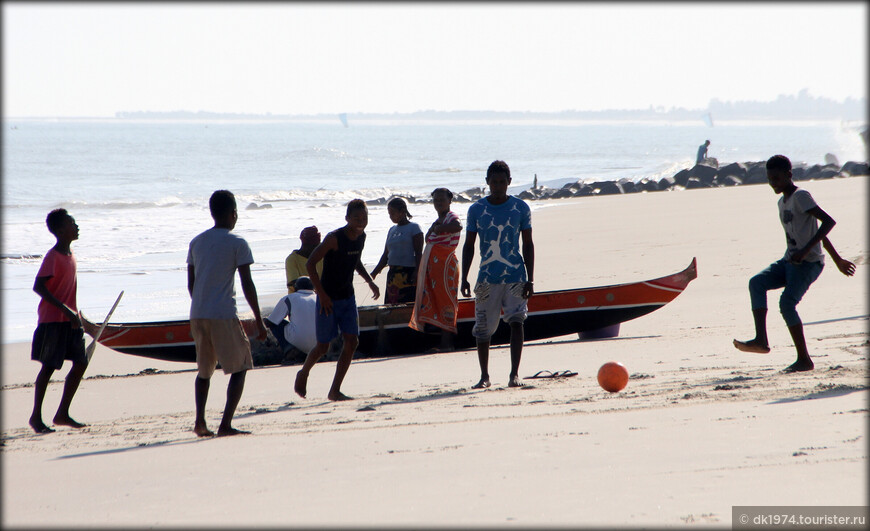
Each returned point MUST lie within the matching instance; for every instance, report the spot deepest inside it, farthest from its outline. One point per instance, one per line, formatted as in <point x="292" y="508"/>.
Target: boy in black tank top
<point x="340" y="251"/>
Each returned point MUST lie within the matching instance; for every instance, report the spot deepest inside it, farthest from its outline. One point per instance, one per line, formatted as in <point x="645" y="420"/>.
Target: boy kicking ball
<point x="798" y="268"/>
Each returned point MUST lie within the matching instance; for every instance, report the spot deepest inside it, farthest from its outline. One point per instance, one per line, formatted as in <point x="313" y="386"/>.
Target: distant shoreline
<point x="406" y="120"/>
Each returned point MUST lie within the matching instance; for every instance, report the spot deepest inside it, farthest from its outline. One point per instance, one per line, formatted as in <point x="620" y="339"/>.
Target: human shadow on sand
<point x="437" y="395"/>
<point x="289" y="406"/>
<point x="141" y="446"/>
<point x="826" y="321"/>
<point x="833" y="392"/>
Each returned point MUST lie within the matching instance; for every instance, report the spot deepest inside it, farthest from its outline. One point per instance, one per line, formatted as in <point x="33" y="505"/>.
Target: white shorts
<point x="490" y="300"/>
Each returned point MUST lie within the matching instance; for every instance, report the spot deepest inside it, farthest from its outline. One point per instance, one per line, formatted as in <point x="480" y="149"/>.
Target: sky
<point x="95" y="59"/>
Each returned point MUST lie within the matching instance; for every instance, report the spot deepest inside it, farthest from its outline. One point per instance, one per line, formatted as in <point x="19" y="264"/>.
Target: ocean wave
<point x="330" y="197"/>
<point x="21" y="256"/>
<point x="448" y="169"/>
<point x="322" y="153"/>
<point x="164" y="202"/>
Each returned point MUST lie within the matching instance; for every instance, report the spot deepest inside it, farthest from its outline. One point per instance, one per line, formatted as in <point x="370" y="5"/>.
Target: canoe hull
<point x="384" y="330"/>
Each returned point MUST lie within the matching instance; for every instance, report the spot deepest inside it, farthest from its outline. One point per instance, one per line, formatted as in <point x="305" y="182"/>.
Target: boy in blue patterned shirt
<point x="504" y="279"/>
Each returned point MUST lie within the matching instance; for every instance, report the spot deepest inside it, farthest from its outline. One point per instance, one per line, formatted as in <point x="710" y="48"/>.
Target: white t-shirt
<point x="799" y="226"/>
<point x="300" y="306"/>
<point x="216" y="254"/>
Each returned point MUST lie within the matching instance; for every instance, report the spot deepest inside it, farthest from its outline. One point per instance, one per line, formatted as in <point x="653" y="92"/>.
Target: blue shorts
<point x="795" y="278"/>
<point x="344" y="317"/>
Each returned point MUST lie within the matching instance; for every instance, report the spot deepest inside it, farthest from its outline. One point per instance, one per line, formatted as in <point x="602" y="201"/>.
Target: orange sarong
<point x="437" y="285"/>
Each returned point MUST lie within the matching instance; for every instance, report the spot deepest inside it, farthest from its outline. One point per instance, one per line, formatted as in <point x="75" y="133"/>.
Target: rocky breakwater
<point x="699" y="176"/>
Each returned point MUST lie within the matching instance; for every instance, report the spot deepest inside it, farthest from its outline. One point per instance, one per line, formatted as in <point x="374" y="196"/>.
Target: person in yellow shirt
<point x="294" y="265"/>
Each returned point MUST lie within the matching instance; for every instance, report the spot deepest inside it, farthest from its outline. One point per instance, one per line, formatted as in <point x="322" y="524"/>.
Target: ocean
<point x="139" y="189"/>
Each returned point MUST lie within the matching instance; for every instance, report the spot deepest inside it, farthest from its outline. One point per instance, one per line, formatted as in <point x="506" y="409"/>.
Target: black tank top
<point x="340" y="264"/>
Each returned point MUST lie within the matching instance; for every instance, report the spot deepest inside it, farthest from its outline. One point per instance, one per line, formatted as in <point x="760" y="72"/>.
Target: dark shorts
<point x="55" y="342"/>
<point x="344" y="317"/>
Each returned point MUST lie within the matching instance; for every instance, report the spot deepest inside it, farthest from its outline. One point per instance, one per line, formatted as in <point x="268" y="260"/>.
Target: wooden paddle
<point x="93" y="345"/>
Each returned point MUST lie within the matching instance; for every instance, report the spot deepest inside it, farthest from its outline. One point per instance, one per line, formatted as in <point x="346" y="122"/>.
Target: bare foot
<point x="301" y="384"/>
<point x="66" y="420"/>
<point x="751" y="346"/>
<point x="800" y="366"/>
<point x="484" y="383"/>
<point x="202" y="431"/>
<point x="515" y="381"/>
<point x="226" y="432"/>
<point x="339" y="396"/>
<point x="39" y="426"/>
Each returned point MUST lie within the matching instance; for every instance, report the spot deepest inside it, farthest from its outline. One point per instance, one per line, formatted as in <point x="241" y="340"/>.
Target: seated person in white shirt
<point x="292" y="320"/>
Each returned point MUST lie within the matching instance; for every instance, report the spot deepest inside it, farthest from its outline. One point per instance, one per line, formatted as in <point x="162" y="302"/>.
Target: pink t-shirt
<point x="446" y="238"/>
<point x="62" y="284"/>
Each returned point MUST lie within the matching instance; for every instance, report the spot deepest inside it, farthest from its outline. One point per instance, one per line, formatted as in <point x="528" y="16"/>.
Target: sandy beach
<point x="701" y="427"/>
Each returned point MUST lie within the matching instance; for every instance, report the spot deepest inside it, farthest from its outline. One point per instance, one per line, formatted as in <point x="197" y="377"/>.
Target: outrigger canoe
<point x="384" y="329"/>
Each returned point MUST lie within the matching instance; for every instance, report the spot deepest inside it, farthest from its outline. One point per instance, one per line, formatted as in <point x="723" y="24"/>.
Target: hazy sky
<point x="82" y="59"/>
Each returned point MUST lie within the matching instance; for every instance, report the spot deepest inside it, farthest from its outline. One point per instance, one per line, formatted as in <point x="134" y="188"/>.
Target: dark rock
<point x="646" y="185"/>
<point x="461" y="197"/>
<point x="817" y="171"/>
<point x="562" y="193"/>
<point x="378" y="201"/>
<point x="584" y="190"/>
<point x="543" y="192"/>
<point x="729" y="180"/>
<point x="737" y="169"/>
<point x="799" y="174"/>
<point x="756" y="174"/>
<point x="856" y="168"/>
<point x="666" y="183"/>
<point x="607" y="188"/>
<point x="695" y="182"/>
<point x="681" y="177"/>
<point x="628" y="186"/>
<point x="703" y="173"/>
<point x="526" y="195"/>
<point x="828" y="173"/>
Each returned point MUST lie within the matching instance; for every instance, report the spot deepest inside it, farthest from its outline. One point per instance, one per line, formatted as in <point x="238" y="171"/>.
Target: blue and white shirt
<point x="498" y="228"/>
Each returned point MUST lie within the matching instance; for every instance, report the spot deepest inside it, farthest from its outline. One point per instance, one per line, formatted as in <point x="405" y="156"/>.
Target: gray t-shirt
<point x="799" y="226"/>
<point x="216" y="254"/>
<point x="400" y="244"/>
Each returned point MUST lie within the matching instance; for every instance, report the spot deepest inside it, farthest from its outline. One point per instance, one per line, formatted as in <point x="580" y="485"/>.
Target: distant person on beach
<point x="294" y="264"/>
<point x="292" y="319"/>
<point x="798" y="268"/>
<point x="535" y="183"/>
<point x="402" y="252"/>
<point x="436" y="303"/>
<point x="341" y="252"/>
<point x="702" y="152"/>
<point x="59" y="335"/>
<point x="212" y="260"/>
<point x="504" y="279"/>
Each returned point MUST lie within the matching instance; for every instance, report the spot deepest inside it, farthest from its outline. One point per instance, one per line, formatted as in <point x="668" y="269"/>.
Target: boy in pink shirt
<point x="59" y="335"/>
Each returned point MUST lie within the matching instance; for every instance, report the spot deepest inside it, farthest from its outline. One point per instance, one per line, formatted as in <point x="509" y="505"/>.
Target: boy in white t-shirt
<point x="292" y="319"/>
<point x="798" y="268"/>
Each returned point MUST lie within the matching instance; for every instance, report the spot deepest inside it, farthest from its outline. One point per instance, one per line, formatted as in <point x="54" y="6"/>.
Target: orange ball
<point x="613" y="376"/>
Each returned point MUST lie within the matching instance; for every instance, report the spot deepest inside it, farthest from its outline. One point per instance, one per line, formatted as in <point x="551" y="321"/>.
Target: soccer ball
<point x="613" y="376"/>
